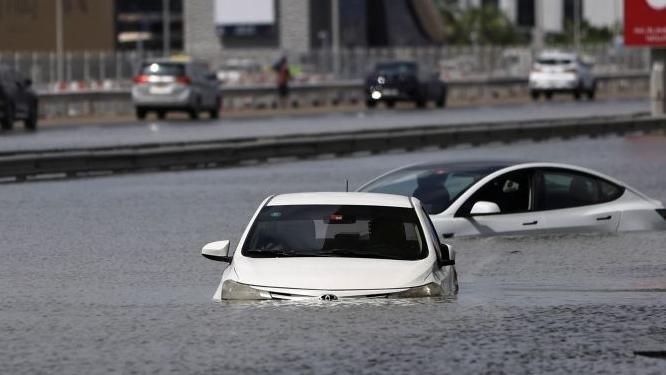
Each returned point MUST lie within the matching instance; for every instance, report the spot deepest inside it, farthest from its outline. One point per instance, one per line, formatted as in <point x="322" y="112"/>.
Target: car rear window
<point x="163" y="69"/>
<point x="554" y="61"/>
<point x="396" y="68"/>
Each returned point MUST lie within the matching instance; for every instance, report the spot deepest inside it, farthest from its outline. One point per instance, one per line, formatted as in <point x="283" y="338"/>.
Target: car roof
<point x="464" y="165"/>
<point x="489" y="166"/>
<point x="497" y="165"/>
<point x="494" y="166"/>
<point x="163" y="60"/>
<point x="185" y="60"/>
<point x="341" y="198"/>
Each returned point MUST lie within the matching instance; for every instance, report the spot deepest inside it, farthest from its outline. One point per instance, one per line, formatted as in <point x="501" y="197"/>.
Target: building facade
<point x="31" y="25"/>
<point x="304" y="25"/>
<point x="89" y="25"/>
<point x="140" y="24"/>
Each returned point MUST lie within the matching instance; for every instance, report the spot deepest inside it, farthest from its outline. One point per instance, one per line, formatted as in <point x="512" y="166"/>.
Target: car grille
<point x="280" y="295"/>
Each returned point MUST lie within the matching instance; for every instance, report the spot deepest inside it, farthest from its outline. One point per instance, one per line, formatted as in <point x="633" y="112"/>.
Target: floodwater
<point x="104" y="275"/>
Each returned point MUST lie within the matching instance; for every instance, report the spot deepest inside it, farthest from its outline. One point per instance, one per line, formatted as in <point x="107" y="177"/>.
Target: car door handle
<point x="535" y="222"/>
<point x="604" y="218"/>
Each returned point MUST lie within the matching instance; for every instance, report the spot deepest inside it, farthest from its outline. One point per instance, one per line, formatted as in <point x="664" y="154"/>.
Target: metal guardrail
<point x="209" y="154"/>
<point x="53" y="104"/>
<point x="356" y="84"/>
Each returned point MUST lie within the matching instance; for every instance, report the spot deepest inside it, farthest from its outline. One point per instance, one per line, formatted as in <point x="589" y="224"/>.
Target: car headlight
<point x="234" y="290"/>
<point x="428" y="290"/>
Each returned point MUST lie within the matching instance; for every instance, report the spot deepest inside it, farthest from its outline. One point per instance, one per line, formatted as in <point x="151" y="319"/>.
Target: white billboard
<point x="244" y="12"/>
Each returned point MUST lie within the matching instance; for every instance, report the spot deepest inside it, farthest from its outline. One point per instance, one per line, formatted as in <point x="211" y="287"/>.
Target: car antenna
<point x="347" y="186"/>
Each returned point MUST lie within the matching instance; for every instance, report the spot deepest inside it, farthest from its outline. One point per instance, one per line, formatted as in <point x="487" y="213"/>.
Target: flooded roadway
<point x="104" y="276"/>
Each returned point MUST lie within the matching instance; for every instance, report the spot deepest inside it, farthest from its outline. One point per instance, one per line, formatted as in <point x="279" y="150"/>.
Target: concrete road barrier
<point x="21" y="165"/>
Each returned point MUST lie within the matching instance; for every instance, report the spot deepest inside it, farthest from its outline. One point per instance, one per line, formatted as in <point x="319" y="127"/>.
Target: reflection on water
<point x="343" y="303"/>
<point x="105" y="276"/>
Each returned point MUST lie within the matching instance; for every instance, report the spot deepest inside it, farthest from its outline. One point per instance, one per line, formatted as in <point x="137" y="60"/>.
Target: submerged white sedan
<point x="472" y="198"/>
<point x="336" y="245"/>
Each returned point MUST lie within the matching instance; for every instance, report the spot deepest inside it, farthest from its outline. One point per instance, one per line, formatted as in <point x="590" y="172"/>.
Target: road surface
<point x="104" y="275"/>
<point x="90" y="135"/>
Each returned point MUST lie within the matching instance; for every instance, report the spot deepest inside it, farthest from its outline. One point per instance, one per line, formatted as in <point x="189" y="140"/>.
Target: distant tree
<point x="486" y="25"/>
<point x="450" y="11"/>
<point x="589" y="34"/>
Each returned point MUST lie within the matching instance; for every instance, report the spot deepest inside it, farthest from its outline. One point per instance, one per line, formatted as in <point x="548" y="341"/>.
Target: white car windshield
<point x="336" y="231"/>
<point x="436" y="187"/>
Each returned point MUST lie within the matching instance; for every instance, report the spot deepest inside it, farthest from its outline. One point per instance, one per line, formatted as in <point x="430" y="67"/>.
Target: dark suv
<point x="18" y="101"/>
<point x="395" y="81"/>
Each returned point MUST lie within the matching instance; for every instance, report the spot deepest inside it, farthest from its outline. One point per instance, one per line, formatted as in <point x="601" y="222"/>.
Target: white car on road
<point x="557" y="72"/>
<point x="472" y="198"/>
<point x="336" y="245"/>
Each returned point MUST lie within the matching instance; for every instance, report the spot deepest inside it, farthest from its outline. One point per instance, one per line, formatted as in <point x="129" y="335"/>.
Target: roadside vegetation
<point x="488" y="25"/>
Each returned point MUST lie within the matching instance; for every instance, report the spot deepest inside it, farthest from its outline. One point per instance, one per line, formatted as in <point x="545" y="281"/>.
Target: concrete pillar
<point x="552" y="15"/>
<point x="199" y="28"/>
<point x="294" y="18"/>
<point x="658" y="81"/>
<point x="510" y="8"/>
<point x="537" y="32"/>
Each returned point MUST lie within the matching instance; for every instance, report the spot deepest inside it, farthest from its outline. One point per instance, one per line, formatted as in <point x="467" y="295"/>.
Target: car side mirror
<point x="484" y="208"/>
<point x="27" y="82"/>
<point x="218" y="251"/>
<point x="448" y="255"/>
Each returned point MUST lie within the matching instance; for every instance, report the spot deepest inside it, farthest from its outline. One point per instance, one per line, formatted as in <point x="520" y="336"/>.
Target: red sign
<point x="645" y="22"/>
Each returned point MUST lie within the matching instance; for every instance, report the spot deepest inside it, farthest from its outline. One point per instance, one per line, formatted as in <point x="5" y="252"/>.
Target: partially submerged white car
<point x="336" y="245"/>
<point x="472" y="198"/>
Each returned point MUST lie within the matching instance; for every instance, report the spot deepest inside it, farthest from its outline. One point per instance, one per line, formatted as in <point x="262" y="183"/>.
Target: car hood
<point x="328" y="273"/>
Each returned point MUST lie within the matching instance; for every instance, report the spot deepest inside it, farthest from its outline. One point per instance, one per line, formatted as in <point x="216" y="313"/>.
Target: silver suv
<point x="164" y="85"/>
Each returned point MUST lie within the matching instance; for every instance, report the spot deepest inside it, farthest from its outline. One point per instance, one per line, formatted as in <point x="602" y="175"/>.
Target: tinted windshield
<point x="336" y="231"/>
<point x="436" y="188"/>
<point x="396" y="68"/>
<point x="163" y="69"/>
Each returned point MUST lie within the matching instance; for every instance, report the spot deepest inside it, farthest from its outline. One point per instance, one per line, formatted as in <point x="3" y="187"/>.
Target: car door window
<point x="557" y="189"/>
<point x="512" y="192"/>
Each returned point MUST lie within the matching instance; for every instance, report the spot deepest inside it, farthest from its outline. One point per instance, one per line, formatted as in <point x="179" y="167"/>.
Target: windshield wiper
<point x="274" y="253"/>
<point x="356" y="254"/>
<point x="314" y="253"/>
